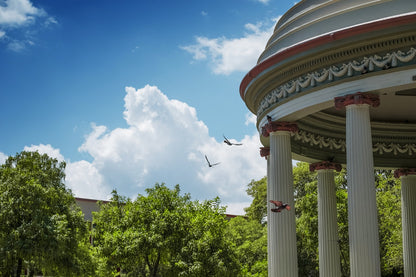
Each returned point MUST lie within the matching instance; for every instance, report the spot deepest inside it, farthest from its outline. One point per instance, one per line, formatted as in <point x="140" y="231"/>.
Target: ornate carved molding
<point x="357" y="98"/>
<point x="319" y="141"/>
<point x="264" y="151"/>
<point x="395" y="148"/>
<point x="275" y="126"/>
<point x="326" y="75"/>
<point x="331" y="144"/>
<point x="325" y="165"/>
<point x="404" y="172"/>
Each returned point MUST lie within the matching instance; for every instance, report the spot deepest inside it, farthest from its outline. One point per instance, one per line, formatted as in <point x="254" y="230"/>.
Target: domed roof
<point x="312" y="23"/>
<point x="310" y="19"/>
<point x="325" y="49"/>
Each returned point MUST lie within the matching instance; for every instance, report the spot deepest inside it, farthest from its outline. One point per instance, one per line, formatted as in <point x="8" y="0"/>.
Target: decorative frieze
<point x="319" y="141"/>
<point x="312" y="79"/>
<point x="331" y="143"/>
<point x="395" y="148"/>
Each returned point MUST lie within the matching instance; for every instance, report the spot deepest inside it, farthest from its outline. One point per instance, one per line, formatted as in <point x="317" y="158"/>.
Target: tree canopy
<point x="258" y="208"/>
<point x="41" y="228"/>
<point x="166" y="233"/>
<point x="249" y="241"/>
<point x="163" y="234"/>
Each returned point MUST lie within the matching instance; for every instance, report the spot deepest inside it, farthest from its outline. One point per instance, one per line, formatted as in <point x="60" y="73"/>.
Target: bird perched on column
<point x="279" y="206"/>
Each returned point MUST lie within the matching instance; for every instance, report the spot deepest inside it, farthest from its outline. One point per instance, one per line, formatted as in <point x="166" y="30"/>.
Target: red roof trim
<point x="304" y="46"/>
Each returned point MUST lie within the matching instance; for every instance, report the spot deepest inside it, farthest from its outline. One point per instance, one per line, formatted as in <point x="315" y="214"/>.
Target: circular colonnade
<point x="336" y="85"/>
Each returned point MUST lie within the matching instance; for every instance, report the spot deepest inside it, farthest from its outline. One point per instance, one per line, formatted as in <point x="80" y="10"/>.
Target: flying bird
<point x="229" y="142"/>
<point x="209" y="164"/>
<point x="279" y="206"/>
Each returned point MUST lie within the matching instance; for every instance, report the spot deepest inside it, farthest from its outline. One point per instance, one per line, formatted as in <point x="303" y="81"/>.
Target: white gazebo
<point x="336" y="86"/>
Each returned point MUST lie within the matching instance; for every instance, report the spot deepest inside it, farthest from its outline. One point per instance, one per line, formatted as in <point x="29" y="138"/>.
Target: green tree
<point x="306" y="208"/>
<point x="112" y="244"/>
<point x="390" y="223"/>
<point x="163" y="234"/>
<point x="249" y="238"/>
<point x="41" y="227"/>
<point x="342" y="220"/>
<point x="258" y="207"/>
<point x="206" y="250"/>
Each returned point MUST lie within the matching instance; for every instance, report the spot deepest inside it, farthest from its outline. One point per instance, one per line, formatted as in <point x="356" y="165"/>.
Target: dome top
<point x="314" y="26"/>
<point x="310" y="19"/>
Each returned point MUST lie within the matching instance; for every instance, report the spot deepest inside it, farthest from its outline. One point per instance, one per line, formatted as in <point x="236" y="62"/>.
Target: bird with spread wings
<point x="209" y="164"/>
<point x="279" y="206"/>
<point x="226" y="141"/>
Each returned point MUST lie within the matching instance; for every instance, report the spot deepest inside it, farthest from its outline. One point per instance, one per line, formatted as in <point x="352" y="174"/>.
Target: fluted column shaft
<point x="409" y="222"/>
<point x="269" y="262"/>
<point x="281" y="226"/>
<point x="362" y="208"/>
<point x="329" y="253"/>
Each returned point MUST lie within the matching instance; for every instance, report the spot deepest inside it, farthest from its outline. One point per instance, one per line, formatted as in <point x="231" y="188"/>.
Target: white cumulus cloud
<point x="86" y="181"/>
<point x="164" y="142"/>
<point x="46" y="149"/>
<point x="228" y="55"/>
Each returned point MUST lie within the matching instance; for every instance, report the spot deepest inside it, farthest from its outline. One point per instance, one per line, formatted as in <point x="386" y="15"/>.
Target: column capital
<point x="264" y="152"/>
<point x="404" y="172"/>
<point x="274" y="126"/>
<point x="325" y="165"/>
<point x="357" y="98"/>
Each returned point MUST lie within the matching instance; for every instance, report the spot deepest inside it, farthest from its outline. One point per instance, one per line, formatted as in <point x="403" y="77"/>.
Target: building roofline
<point x="91" y="200"/>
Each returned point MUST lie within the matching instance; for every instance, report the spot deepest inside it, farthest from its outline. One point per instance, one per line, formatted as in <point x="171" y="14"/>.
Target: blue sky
<point x="130" y="93"/>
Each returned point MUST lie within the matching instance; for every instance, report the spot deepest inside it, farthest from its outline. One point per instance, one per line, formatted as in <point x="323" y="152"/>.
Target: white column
<point x="362" y="209"/>
<point x="265" y="152"/>
<point x="329" y="253"/>
<point x="409" y="223"/>
<point x="281" y="226"/>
